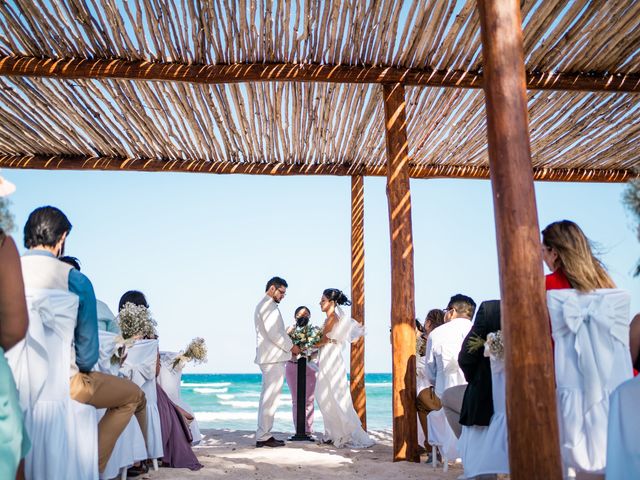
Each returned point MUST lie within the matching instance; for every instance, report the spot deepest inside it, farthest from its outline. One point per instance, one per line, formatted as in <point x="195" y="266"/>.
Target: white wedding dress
<point x="341" y="422"/>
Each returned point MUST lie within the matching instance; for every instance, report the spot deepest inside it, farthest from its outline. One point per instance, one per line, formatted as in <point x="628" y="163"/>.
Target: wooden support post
<point x="403" y="338"/>
<point x="358" y="393"/>
<point x="530" y="390"/>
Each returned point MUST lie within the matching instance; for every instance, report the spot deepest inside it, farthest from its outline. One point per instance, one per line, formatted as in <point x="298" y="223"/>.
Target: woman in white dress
<point x="341" y="422"/>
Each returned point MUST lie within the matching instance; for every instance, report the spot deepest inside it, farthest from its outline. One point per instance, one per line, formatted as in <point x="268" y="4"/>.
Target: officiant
<point x="302" y="316"/>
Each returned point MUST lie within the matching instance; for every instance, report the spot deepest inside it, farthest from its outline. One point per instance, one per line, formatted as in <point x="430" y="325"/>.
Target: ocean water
<point x="230" y="401"/>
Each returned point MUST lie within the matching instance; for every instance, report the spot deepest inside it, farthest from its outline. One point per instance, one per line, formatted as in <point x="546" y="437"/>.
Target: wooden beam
<point x="403" y="337"/>
<point x="297" y="72"/>
<point x="530" y="390"/>
<point x="80" y="162"/>
<point x="358" y="393"/>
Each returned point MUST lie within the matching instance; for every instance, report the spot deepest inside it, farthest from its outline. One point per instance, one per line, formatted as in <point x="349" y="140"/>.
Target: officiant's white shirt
<point x="443" y="345"/>
<point x="273" y="345"/>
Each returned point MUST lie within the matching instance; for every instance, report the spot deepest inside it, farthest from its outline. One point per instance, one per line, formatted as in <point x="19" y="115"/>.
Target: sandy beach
<point x="232" y="454"/>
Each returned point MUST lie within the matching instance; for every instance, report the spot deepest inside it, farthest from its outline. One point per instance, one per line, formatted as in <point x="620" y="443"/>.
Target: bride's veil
<point x="346" y="329"/>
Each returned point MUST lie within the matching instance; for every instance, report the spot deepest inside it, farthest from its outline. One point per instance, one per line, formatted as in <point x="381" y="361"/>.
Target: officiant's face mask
<point x="302" y="320"/>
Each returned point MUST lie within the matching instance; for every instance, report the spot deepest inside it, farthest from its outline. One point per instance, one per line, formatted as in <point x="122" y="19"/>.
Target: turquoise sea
<point x="230" y="401"/>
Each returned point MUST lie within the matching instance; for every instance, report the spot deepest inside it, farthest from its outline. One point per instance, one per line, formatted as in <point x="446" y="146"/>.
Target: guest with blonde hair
<point x="568" y="253"/>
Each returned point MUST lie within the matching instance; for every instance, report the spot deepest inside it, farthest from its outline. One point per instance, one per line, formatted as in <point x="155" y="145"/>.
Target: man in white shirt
<point x="443" y="347"/>
<point x="273" y="349"/>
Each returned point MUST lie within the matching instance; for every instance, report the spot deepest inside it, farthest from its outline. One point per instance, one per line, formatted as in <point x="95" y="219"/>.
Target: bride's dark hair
<point x="335" y="295"/>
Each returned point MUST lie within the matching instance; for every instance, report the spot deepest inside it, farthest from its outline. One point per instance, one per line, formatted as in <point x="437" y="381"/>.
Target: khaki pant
<point x="122" y="399"/>
<point x="426" y="402"/>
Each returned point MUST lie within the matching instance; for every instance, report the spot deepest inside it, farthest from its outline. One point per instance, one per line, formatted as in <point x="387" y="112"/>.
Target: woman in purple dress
<point x="302" y="315"/>
<point x="176" y="436"/>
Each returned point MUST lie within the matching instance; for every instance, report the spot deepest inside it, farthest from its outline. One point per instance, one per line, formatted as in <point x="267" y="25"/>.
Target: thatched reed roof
<point x="294" y="86"/>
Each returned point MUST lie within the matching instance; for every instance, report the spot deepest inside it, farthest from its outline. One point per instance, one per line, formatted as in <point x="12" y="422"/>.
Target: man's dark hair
<point x="133" y="296"/>
<point x="45" y="227"/>
<point x="73" y="261"/>
<point x="463" y="304"/>
<point x="276" y="282"/>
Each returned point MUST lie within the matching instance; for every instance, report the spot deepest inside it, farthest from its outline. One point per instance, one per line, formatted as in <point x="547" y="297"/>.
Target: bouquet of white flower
<point x="136" y="322"/>
<point x="196" y="352"/>
<point x="494" y="345"/>
<point x="306" y="337"/>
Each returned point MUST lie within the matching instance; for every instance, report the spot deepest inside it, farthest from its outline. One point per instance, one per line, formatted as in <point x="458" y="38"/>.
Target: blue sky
<point x="202" y="246"/>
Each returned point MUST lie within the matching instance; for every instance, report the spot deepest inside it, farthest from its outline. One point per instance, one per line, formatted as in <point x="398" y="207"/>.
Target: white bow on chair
<point x="29" y="360"/>
<point x="595" y="327"/>
<point x="139" y="374"/>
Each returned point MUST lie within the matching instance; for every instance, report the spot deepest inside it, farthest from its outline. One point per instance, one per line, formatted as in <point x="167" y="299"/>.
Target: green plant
<point x="7" y="222"/>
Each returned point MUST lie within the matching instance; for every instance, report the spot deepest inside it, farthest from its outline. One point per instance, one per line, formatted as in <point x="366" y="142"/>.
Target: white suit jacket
<point x="273" y="345"/>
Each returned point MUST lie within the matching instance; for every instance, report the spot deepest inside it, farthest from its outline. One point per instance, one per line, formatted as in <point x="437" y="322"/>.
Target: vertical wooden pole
<point x="530" y="390"/>
<point x="403" y="338"/>
<point x="358" y="393"/>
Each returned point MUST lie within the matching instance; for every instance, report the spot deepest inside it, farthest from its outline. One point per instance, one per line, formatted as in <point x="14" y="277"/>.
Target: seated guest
<point x="302" y="316"/>
<point x="443" y="346"/>
<point x="174" y="421"/>
<point x="426" y="400"/>
<point x="106" y="320"/>
<point x="45" y="234"/>
<point x="477" y="404"/>
<point x="14" y="322"/>
<point x="566" y="251"/>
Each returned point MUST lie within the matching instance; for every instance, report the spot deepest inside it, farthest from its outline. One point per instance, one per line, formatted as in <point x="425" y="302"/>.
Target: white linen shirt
<point x="273" y="345"/>
<point x="443" y="346"/>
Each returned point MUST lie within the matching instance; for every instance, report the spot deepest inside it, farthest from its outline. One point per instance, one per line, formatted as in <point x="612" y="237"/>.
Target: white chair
<point x="84" y="440"/>
<point x="441" y="437"/>
<point x="108" y="347"/>
<point x="485" y="450"/>
<point x="140" y="367"/>
<point x="448" y="374"/>
<point x="170" y="379"/>
<point x="130" y="446"/>
<point x="591" y="336"/>
<point x="63" y="433"/>
<point x="623" y="447"/>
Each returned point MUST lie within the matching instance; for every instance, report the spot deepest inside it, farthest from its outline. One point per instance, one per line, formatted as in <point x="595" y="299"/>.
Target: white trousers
<point x="272" y="382"/>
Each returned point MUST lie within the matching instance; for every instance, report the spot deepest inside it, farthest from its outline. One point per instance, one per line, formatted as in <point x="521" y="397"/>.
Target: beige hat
<point x="6" y="187"/>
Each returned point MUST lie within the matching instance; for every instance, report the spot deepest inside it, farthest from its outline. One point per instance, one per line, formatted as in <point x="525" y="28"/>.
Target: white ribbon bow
<point x="29" y="360"/>
<point x="595" y="327"/>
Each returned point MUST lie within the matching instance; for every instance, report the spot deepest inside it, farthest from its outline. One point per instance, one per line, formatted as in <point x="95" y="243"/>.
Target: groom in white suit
<point x="273" y="349"/>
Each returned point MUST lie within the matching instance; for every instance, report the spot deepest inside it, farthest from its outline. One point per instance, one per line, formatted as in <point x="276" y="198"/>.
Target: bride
<point x="341" y="422"/>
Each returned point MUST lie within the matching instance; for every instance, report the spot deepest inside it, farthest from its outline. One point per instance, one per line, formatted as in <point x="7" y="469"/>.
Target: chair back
<point x="498" y="385"/>
<point x="140" y="367"/>
<point x="41" y="362"/>
<point x="623" y="448"/>
<point x="108" y="347"/>
<point x="170" y="376"/>
<point x="591" y="351"/>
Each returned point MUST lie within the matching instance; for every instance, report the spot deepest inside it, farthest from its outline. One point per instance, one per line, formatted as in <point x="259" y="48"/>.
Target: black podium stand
<point x="301" y="397"/>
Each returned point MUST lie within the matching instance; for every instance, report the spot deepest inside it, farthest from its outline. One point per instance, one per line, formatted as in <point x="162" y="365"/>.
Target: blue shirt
<point x="86" y="331"/>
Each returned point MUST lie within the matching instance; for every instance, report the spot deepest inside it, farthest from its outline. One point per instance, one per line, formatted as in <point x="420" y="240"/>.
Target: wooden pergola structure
<point x="402" y="89"/>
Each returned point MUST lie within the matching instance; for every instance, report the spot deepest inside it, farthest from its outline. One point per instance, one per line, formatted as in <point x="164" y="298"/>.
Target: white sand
<point x="232" y="454"/>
